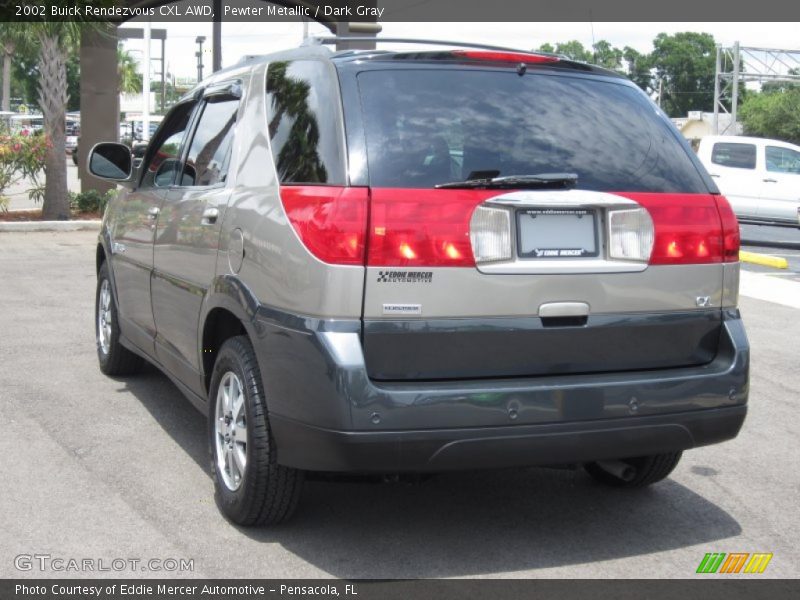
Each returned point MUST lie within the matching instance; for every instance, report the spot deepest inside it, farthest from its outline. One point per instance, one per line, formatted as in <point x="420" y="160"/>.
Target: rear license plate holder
<point x="547" y="233"/>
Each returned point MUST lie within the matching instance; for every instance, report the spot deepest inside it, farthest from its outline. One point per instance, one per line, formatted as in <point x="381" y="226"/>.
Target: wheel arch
<point x="229" y="310"/>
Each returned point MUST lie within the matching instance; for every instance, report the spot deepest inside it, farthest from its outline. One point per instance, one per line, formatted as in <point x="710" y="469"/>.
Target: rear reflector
<point x="690" y="228"/>
<point x="331" y="221"/>
<point x="500" y="56"/>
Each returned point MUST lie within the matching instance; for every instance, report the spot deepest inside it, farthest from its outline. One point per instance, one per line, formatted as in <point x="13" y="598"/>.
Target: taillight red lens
<point x="499" y="56"/>
<point x="331" y="221"/>
<point x="730" y="230"/>
<point x="690" y="228"/>
<point x="419" y="227"/>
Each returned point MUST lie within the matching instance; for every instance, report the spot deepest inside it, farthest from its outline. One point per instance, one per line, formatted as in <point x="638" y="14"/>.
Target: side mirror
<point x="112" y="161"/>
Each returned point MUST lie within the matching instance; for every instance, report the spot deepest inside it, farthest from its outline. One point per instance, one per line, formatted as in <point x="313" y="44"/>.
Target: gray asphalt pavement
<point x="775" y="241"/>
<point x="104" y="468"/>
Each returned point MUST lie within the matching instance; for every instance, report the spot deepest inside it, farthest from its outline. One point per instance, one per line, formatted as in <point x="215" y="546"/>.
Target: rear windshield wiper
<point x="549" y="180"/>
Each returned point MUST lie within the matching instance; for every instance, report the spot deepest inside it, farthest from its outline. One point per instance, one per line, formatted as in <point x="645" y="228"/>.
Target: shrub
<point x="21" y="157"/>
<point x="90" y="200"/>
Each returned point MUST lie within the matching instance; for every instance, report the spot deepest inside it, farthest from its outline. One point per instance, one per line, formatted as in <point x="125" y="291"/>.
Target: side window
<point x="163" y="158"/>
<point x="738" y="156"/>
<point x="782" y="160"/>
<point x="210" y="151"/>
<point x="302" y="101"/>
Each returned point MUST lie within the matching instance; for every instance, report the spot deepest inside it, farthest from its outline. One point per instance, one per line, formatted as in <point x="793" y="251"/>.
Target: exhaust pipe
<point x="617" y="468"/>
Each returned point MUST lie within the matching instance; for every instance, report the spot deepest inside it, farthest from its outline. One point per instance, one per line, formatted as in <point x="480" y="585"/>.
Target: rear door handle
<point x="210" y="216"/>
<point x="770" y="180"/>
<point x="714" y="175"/>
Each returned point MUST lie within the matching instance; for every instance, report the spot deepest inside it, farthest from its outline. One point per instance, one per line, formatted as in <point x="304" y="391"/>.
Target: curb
<point x="765" y="260"/>
<point x="12" y="226"/>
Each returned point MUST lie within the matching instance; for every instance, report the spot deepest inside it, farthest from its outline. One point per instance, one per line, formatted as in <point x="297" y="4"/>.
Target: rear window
<point x="782" y="160"/>
<point x="425" y="127"/>
<point x="738" y="156"/>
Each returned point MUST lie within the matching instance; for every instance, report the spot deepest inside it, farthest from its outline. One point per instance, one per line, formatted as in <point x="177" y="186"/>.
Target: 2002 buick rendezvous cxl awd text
<point x="392" y="262"/>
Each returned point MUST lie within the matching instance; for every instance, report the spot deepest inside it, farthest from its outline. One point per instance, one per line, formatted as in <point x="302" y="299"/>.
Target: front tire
<point x="649" y="470"/>
<point x="114" y="358"/>
<point x="251" y="487"/>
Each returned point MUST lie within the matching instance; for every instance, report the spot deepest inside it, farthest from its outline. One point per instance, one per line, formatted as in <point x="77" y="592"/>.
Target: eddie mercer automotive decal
<point x="405" y="276"/>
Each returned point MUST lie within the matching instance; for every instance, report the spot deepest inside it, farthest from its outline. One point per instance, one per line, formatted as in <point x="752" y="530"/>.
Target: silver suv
<point x="391" y="262"/>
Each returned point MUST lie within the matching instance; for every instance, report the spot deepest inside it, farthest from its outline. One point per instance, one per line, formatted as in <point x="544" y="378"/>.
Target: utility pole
<point x="216" y="37"/>
<point x="146" y="83"/>
<point x="199" y="54"/>
<point x="660" y="90"/>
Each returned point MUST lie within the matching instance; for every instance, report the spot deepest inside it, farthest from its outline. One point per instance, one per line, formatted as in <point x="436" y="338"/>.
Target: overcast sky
<point x="239" y="39"/>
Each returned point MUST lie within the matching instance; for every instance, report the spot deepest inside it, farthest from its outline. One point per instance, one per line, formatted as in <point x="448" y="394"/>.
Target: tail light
<point x="731" y="237"/>
<point x="490" y="234"/>
<point x="418" y="227"/>
<point x="631" y="234"/>
<point x="449" y="228"/>
<point x="690" y="228"/>
<point x="331" y="221"/>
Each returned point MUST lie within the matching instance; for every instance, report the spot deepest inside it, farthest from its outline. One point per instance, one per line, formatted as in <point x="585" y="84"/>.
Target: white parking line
<point x="769" y="288"/>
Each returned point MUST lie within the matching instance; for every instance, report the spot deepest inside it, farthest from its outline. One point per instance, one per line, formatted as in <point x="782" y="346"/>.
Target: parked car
<point x="760" y="177"/>
<point x="71" y="144"/>
<point x="451" y="259"/>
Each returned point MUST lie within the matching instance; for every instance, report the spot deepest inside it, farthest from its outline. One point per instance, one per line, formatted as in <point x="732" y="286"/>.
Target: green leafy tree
<point x="606" y="55"/>
<point x="547" y="48"/>
<point x="638" y="68"/>
<point x="782" y="86"/>
<point x="685" y="62"/>
<point x="574" y="50"/>
<point x="772" y="114"/>
<point x="9" y="40"/>
<point x="130" y="80"/>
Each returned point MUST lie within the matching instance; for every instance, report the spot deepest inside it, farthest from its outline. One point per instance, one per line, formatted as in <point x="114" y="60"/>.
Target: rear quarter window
<point x="303" y="118"/>
<point x="738" y="156"/>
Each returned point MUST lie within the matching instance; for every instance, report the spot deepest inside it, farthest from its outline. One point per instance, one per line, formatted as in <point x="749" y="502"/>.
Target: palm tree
<point x="130" y="80"/>
<point x="53" y="42"/>
<point x="8" y="44"/>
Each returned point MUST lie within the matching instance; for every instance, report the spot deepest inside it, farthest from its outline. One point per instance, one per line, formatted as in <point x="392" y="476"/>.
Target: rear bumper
<point x="311" y="448"/>
<point x="328" y="415"/>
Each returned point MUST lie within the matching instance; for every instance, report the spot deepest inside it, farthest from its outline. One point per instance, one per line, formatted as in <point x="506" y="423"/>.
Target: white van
<point x="758" y="176"/>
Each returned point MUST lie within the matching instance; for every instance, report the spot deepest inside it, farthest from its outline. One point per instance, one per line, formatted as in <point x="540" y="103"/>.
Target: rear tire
<point x="251" y="487"/>
<point x="649" y="470"/>
<point x="114" y="358"/>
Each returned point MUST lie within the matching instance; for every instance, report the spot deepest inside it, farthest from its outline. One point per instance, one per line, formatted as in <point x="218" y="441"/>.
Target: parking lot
<point x="101" y="468"/>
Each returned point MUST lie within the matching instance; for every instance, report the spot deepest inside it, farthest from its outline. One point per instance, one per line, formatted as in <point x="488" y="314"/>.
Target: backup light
<point x="490" y="234"/>
<point x="631" y="234"/>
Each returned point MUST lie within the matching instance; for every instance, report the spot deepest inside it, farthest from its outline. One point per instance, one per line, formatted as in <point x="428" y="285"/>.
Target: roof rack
<point x="318" y="41"/>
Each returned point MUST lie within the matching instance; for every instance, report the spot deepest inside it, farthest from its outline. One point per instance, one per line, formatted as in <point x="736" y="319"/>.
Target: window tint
<point x="782" y="160"/>
<point x="163" y="158"/>
<point x="302" y="98"/>
<point x="209" y="153"/>
<point x="425" y="127"/>
<point x="738" y="156"/>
